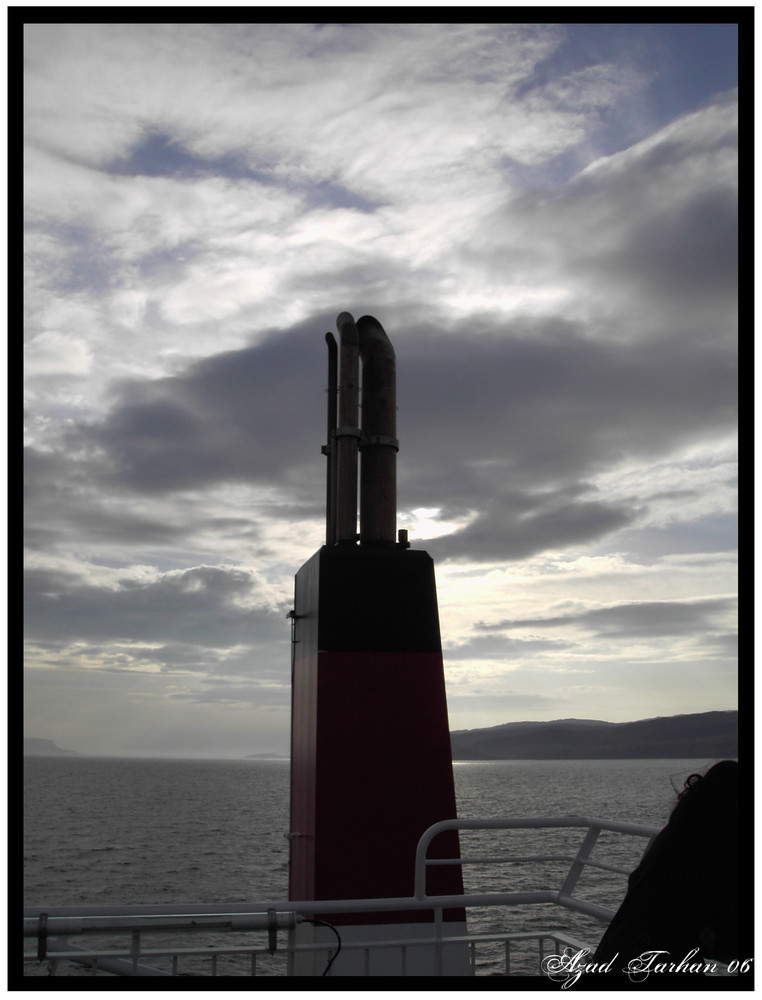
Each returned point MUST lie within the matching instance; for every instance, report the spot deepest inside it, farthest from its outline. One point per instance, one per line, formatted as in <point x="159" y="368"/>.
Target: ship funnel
<point x="366" y="655"/>
<point x="378" y="473"/>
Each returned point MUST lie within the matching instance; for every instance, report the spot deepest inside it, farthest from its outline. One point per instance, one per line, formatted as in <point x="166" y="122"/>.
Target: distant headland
<point x="705" y="734"/>
<point x="34" y="747"/>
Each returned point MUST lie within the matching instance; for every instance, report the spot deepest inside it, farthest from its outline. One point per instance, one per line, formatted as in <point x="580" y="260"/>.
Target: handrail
<point x="593" y="826"/>
<point x="117" y="918"/>
<point x="90" y="922"/>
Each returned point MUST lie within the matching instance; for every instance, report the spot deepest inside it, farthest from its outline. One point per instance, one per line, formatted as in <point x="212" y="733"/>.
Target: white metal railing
<point x="578" y="862"/>
<point x="51" y="927"/>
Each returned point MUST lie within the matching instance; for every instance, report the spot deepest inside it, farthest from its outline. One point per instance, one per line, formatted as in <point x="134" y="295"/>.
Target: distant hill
<point x="34" y="747"/>
<point x="706" y="734"/>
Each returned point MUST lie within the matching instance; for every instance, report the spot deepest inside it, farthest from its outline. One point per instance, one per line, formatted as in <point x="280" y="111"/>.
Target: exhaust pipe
<point x="347" y="434"/>
<point x="329" y="449"/>
<point x="378" y="475"/>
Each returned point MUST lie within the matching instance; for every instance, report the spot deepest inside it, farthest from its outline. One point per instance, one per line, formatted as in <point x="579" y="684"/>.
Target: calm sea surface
<point x="110" y="830"/>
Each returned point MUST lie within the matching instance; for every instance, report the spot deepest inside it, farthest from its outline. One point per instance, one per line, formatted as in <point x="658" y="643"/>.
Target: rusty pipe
<point x="347" y="433"/>
<point x="379" y="446"/>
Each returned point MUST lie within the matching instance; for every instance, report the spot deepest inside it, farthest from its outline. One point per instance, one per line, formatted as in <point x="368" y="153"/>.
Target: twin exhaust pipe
<point x="374" y="443"/>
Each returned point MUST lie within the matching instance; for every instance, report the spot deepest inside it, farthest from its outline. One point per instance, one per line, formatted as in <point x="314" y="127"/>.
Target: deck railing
<point x="578" y="862"/>
<point x="129" y="940"/>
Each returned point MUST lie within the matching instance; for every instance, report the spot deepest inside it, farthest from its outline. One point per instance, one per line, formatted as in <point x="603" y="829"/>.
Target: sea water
<point x="119" y="831"/>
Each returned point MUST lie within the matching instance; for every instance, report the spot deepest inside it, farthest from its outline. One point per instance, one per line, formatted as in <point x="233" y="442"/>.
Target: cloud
<point x="240" y="416"/>
<point x="541" y="409"/>
<point x="155" y="714"/>
<point x="544" y="218"/>
<point x="637" y="620"/>
<point x="207" y="606"/>
<point x="502" y="648"/>
<point x="522" y="526"/>
<point x="306" y="118"/>
<point x="633" y="233"/>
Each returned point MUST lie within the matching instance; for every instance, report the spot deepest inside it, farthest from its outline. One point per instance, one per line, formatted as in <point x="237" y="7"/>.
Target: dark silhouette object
<point x="684" y="893"/>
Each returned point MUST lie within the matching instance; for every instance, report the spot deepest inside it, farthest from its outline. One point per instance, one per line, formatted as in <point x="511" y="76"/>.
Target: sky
<point x="542" y="216"/>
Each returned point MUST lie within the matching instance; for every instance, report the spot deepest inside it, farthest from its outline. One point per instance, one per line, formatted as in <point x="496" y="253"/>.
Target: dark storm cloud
<point x="201" y="606"/>
<point x="550" y="402"/>
<point x="504" y="426"/>
<point x="249" y="415"/>
<point x="642" y="619"/>
<point x="511" y="529"/>
<point x="61" y="506"/>
<point x="539" y="397"/>
<point x="689" y="251"/>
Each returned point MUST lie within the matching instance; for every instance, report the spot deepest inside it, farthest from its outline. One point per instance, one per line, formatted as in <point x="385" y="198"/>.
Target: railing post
<point x="439" y="965"/>
<point x="586" y="847"/>
<point x="291" y="944"/>
<point x="135" y="951"/>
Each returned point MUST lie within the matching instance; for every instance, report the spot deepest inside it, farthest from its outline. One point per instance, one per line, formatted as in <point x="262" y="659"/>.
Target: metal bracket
<point x="354" y="432"/>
